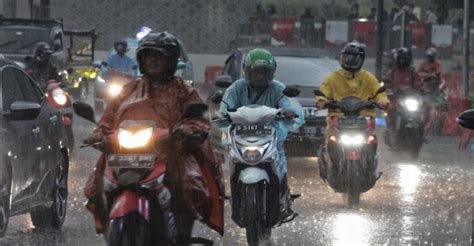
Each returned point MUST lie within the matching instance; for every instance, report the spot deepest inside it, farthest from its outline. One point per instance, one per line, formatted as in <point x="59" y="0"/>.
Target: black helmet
<point x="404" y="57"/>
<point x="121" y="42"/>
<point x="352" y="57"/>
<point x="43" y="50"/>
<point x="163" y="42"/>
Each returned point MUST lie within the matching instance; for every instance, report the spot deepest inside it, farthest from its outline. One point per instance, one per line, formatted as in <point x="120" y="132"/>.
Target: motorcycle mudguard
<point x="253" y="175"/>
<point x="128" y="202"/>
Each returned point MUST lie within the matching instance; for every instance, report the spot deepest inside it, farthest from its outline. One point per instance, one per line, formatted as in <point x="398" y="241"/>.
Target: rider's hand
<point x="320" y="104"/>
<point x="183" y="130"/>
<point x="290" y="115"/>
<point x="383" y="105"/>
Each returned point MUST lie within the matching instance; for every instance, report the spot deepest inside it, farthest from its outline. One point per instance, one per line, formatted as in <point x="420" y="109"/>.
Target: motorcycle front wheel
<point x="131" y="229"/>
<point x="255" y="230"/>
<point x="353" y="194"/>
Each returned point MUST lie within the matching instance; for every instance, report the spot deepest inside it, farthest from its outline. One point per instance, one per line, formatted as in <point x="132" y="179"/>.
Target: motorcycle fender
<point x="128" y="202"/>
<point x="252" y="175"/>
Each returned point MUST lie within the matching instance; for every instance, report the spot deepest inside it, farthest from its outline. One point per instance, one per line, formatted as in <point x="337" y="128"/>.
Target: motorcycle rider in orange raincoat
<point x="194" y="175"/>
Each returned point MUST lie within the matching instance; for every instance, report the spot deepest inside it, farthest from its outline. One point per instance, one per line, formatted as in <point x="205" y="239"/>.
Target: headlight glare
<point x="411" y="104"/>
<point x="59" y="96"/>
<point x="138" y="139"/>
<point x="352" y="140"/>
<point x="115" y="89"/>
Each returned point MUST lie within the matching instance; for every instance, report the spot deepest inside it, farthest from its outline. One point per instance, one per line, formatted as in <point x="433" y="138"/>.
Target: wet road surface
<point x="422" y="202"/>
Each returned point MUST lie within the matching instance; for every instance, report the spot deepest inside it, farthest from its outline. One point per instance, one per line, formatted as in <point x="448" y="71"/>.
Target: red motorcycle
<point x="134" y="194"/>
<point x="62" y="101"/>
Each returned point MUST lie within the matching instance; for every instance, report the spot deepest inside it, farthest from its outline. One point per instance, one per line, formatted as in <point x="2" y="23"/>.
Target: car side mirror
<point x="466" y="119"/>
<point x="97" y="64"/>
<point x="193" y="110"/>
<point x="217" y="97"/>
<point x="181" y="65"/>
<point x="223" y="81"/>
<point x="291" y="91"/>
<point x="28" y="59"/>
<point x="84" y="110"/>
<point x="21" y="111"/>
<point x="319" y="93"/>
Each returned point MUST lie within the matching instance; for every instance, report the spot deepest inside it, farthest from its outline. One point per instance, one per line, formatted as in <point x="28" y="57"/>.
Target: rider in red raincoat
<point x="402" y="77"/>
<point x="194" y="175"/>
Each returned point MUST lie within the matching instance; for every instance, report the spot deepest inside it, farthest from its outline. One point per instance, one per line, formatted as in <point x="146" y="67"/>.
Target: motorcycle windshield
<point x="253" y="114"/>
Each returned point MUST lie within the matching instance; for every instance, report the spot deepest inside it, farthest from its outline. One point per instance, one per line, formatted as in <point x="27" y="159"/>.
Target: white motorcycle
<point x="255" y="186"/>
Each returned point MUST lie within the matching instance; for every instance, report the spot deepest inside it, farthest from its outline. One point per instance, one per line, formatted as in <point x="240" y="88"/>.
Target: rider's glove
<point x="320" y="104"/>
<point x="383" y="105"/>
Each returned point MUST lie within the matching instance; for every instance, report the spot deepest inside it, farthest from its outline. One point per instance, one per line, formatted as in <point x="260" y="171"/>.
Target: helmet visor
<point x="351" y="60"/>
<point x="260" y="76"/>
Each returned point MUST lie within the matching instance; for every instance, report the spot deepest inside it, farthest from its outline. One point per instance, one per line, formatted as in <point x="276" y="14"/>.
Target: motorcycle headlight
<point x="411" y="104"/>
<point x="114" y="89"/>
<point x="253" y="153"/>
<point x="138" y="139"/>
<point x="100" y="79"/>
<point x="59" y="96"/>
<point x="352" y="140"/>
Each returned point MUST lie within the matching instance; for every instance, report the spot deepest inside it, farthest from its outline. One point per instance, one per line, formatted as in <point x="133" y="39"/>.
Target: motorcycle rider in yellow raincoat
<point x="350" y="80"/>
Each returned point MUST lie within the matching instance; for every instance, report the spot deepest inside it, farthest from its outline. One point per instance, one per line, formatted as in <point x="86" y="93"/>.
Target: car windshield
<point x="304" y="71"/>
<point x="21" y="40"/>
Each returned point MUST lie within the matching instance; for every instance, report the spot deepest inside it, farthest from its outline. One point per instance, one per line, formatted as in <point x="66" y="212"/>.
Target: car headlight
<point x="411" y="104"/>
<point x="352" y="140"/>
<point x="138" y="139"/>
<point x="114" y="89"/>
<point x="100" y="79"/>
<point x="59" y="96"/>
<point x="253" y="153"/>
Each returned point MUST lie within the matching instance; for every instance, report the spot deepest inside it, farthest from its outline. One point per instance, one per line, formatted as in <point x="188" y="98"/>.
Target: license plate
<point x="130" y="161"/>
<point x="309" y="130"/>
<point x="253" y="129"/>
<point x="352" y="122"/>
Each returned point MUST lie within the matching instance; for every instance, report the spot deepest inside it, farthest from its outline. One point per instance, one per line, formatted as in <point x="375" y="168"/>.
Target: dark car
<point x="300" y="67"/>
<point x="105" y="89"/>
<point x="34" y="154"/>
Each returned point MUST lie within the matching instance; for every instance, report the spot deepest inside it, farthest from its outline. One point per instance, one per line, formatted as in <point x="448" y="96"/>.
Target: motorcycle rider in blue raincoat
<point x="260" y="88"/>
<point x="120" y="61"/>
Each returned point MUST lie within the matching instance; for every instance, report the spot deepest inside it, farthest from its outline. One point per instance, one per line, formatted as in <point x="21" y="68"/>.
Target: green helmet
<point x="259" y="59"/>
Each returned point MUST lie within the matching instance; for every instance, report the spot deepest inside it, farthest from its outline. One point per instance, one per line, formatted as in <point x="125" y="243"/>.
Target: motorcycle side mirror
<point x="466" y="119"/>
<point x="193" y="110"/>
<point x="223" y="81"/>
<point x="319" y="93"/>
<point x="382" y="89"/>
<point x="217" y="97"/>
<point x="84" y="110"/>
<point x="291" y="91"/>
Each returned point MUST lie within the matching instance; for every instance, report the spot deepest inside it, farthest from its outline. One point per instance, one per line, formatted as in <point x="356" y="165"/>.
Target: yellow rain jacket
<point x="342" y="83"/>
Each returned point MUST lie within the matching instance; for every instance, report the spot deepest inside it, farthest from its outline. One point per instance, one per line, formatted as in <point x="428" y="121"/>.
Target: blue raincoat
<point x="121" y="63"/>
<point x="241" y="93"/>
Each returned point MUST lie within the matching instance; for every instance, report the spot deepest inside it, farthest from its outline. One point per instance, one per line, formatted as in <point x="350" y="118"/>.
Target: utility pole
<point x="466" y="43"/>
<point x="379" y="39"/>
